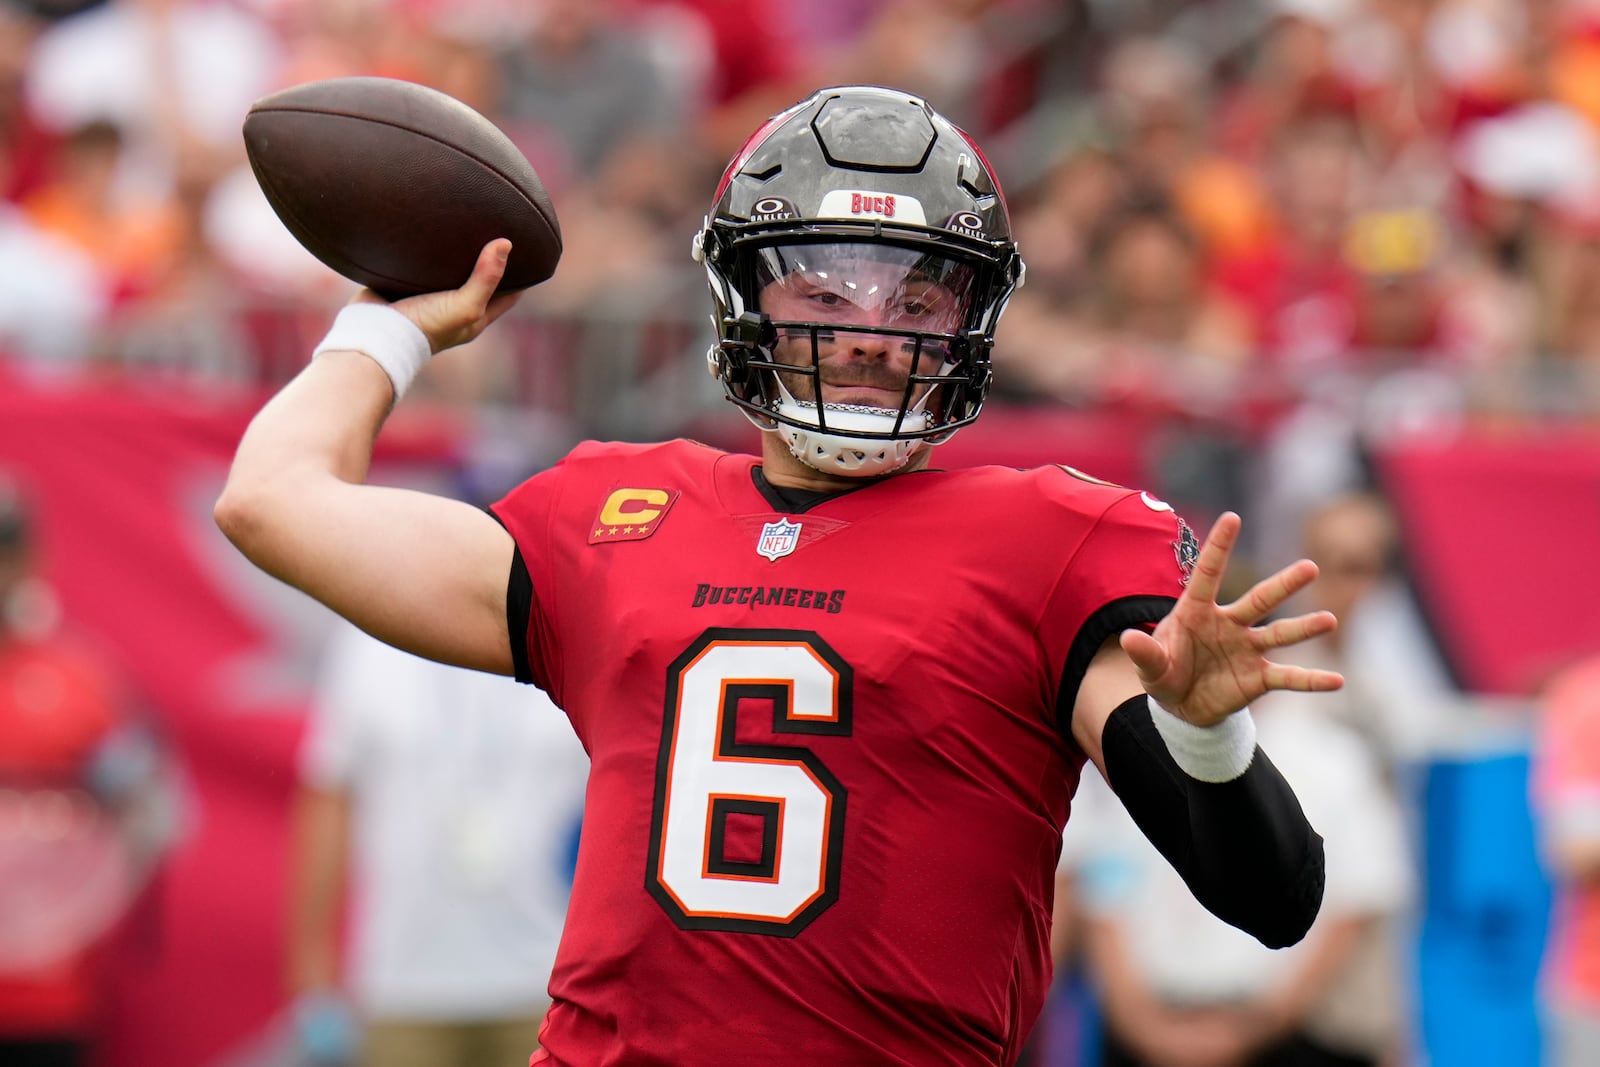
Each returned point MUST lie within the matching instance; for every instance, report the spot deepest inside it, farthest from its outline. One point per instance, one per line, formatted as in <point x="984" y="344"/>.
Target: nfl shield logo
<point x="778" y="539"/>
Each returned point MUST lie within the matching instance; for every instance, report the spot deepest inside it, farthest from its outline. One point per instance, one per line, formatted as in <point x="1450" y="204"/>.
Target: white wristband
<point x="385" y="335"/>
<point x="1217" y="753"/>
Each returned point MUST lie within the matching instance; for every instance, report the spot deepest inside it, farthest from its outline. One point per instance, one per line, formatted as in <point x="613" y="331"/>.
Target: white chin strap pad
<point x="852" y="457"/>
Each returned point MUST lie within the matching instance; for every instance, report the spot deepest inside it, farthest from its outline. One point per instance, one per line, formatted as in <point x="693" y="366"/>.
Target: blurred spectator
<point x="1395" y="255"/>
<point x="133" y="239"/>
<point x="1298" y="288"/>
<point x="1157" y="318"/>
<point x="582" y="83"/>
<point x="1180" y="988"/>
<point x="86" y="810"/>
<point x="1288" y="70"/>
<point x="1566" y="785"/>
<point x="53" y="298"/>
<point x="752" y="69"/>
<point x="1147" y="322"/>
<point x="22" y="139"/>
<point x="1395" y="686"/>
<point x="379" y="38"/>
<point x="176" y="76"/>
<point x="937" y="49"/>
<point x="449" y="799"/>
<point x="1157" y="100"/>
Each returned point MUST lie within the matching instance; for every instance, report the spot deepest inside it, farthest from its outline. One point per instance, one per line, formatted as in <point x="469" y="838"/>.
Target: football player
<point x="836" y="699"/>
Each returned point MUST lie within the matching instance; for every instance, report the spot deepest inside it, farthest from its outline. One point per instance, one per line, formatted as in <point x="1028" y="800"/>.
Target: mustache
<point x="869" y="377"/>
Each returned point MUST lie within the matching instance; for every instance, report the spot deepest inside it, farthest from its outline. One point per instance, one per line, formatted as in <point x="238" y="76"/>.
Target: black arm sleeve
<point x="1244" y="847"/>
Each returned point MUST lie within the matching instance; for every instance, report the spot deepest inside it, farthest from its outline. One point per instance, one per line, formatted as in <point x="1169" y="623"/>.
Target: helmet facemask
<point x="865" y="349"/>
<point x="886" y="329"/>
<point x="859" y="253"/>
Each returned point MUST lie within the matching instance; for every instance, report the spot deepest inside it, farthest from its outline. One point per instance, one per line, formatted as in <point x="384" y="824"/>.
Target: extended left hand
<point x="1205" y="660"/>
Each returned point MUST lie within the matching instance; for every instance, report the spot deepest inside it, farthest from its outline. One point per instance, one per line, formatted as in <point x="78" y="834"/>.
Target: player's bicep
<point x="421" y="572"/>
<point x="1109" y="681"/>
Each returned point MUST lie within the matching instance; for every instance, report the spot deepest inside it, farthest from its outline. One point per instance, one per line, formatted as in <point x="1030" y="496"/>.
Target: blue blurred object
<point x="1485" y="913"/>
<point x="326" y="1030"/>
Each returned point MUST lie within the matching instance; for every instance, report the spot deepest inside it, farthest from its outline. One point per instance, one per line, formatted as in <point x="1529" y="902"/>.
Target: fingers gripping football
<point x="456" y="316"/>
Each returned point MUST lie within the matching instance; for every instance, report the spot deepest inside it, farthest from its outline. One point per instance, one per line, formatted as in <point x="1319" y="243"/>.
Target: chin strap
<point x="854" y="457"/>
<point x="844" y="453"/>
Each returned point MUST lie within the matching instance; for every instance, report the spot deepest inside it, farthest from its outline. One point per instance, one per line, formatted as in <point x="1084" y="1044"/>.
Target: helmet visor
<point x="865" y="285"/>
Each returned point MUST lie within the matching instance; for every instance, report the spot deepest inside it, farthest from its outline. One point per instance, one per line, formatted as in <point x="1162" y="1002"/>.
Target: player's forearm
<point x="1244" y="846"/>
<point x="1258" y="863"/>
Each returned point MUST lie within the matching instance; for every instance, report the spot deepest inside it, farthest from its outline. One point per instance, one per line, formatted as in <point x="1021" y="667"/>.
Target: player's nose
<point x="873" y="346"/>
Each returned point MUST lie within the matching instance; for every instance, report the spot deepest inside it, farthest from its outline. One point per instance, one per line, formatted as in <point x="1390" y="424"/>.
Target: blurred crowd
<point x="1214" y="198"/>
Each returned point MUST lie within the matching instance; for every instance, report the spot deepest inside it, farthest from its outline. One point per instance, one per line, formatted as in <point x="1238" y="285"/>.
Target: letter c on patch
<point x="622" y="506"/>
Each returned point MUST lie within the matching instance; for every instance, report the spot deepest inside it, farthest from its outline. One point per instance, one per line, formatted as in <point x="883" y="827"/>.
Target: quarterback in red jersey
<point x="836" y="700"/>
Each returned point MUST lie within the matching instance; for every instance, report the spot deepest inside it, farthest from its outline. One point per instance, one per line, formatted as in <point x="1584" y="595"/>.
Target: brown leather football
<point x="398" y="186"/>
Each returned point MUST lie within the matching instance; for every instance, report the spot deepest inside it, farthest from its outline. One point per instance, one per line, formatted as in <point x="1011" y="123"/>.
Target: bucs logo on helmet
<point x="784" y="191"/>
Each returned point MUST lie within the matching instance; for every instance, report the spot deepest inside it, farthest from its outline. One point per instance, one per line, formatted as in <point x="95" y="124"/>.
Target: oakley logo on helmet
<point x="966" y="223"/>
<point x="772" y="209"/>
<point x="856" y="204"/>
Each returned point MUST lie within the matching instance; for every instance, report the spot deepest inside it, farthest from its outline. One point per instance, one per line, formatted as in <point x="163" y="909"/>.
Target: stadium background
<point x="1276" y="249"/>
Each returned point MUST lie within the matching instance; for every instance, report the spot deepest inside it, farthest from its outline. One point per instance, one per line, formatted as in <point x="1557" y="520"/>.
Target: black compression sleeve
<point x="1244" y="847"/>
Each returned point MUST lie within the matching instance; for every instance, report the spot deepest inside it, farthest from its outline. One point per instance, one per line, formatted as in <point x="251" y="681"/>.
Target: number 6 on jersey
<point x="744" y="836"/>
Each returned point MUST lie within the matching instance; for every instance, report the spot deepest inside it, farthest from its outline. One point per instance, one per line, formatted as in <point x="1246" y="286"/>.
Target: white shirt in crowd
<point x="467" y="793"/>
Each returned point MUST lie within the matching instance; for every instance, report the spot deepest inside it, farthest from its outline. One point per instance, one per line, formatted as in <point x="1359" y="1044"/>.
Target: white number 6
<point x="748" y="837"/>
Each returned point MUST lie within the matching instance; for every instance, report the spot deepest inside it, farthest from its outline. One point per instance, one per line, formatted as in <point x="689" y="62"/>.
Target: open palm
<point x="1206" y="660"/>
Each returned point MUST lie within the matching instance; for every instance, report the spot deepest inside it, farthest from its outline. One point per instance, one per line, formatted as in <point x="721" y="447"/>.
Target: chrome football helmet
<point x="859" y="217"/>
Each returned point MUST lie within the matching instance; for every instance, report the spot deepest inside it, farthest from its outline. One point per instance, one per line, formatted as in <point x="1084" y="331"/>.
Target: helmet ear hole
<point x="736" y="367"/>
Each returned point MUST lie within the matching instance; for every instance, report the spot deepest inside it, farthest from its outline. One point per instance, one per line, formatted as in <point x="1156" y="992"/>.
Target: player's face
<point x="847" y="293"/>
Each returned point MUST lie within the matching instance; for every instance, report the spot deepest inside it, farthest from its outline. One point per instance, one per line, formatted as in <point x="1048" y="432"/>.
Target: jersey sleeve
<point x="1126" y="571"/>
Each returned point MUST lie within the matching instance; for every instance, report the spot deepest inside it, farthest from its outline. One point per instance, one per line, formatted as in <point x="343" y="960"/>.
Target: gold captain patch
<point x="631" y="514"/>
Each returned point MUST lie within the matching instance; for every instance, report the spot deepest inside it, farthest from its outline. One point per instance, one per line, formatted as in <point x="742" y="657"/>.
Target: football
<point x="398" y="186"/>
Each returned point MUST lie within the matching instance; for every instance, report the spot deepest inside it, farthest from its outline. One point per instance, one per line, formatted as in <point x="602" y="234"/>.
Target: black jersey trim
<point x="1109" y="620"/>
<point x="519" y="609"/>
<point x="519" y="616"/>
<point x="797" y="501"/>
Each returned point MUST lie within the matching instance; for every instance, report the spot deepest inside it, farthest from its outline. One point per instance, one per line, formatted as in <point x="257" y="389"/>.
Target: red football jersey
<point x="830" y="759"/>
